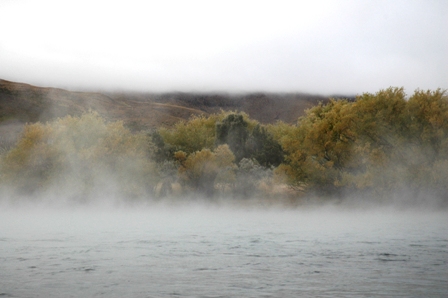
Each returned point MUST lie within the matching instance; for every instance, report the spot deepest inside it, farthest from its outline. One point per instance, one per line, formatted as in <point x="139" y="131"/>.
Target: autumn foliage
<point x="78" y="157"/>
<point x="380" y="144"/>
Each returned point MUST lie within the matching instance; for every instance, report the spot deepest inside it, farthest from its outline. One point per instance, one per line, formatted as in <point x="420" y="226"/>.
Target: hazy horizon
<point x="324" y="47"/>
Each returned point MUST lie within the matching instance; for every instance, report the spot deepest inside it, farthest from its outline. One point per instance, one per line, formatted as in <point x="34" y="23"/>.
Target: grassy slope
<point x="21" y="103"/>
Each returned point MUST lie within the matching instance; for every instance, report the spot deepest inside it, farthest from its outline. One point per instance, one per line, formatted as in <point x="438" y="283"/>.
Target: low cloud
<point x="346" y="47"/>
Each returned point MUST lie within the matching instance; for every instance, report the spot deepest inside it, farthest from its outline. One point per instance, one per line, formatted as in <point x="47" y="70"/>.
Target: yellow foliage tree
<point x="201" y="168"/>
<point x="380" y="142"/>
<point x="75" y="156"/>
<point x="194" y="135"/>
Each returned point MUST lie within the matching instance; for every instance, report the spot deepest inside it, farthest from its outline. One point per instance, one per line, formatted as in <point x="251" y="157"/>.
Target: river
<point x="213" y="252"/>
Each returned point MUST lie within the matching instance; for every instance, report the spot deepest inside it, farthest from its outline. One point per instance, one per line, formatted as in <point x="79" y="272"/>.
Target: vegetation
<point x="142" y="111"/>
<point x="79" y="157"/>
<point x="201" y="170"/>
<point x="381" y="143"/>
<point x="378" y="145"/>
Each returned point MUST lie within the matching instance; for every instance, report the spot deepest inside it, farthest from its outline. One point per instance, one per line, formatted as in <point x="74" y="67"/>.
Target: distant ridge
<point x="23" y="103"/>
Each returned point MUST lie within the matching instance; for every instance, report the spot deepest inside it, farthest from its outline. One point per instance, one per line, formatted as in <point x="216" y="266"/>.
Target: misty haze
<point x="60" y="147"/>
<point x="223" y="149"/>
<point x="187" y="194"/>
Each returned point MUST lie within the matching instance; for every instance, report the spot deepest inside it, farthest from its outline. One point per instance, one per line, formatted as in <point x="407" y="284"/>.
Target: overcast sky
<point x="325" y="47"/>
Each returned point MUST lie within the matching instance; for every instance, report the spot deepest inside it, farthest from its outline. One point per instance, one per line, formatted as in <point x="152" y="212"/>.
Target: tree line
<point x="379" y="145"/>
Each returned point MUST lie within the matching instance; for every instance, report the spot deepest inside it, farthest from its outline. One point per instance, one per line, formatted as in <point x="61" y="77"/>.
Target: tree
<point x="233" y="131"/>
<point x="200" y="169"/>
<point x="76" y="157"/>
<point x="161" y="152"/>
<point x="248" y="176"/>
<point x="380" y="143"/>
<point x="318" y="148"/>
<point x="193" y="135"/>
<point x="262" y="147"/>
<point x="427" y="115"/>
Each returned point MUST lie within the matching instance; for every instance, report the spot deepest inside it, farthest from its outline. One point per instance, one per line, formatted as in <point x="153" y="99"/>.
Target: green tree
<point x="264" y="148"/>
<point x="233" y="131"/>
<point x="162" y="151"/>
<point x="190" y="136"/>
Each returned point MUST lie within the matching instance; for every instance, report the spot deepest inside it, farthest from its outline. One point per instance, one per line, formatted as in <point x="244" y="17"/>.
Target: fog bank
<point x="324" y="47"/>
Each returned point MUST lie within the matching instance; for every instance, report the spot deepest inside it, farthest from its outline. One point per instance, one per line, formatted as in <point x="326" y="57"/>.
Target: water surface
<point x="208" y="252"/>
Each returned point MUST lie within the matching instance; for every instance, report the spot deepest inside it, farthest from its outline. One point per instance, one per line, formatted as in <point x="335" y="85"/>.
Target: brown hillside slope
<point x="21" y="103"/>
<point x="26" y="103"/>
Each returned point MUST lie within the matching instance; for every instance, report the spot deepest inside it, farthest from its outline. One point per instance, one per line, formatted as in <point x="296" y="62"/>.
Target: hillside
<point x="21" y="103"/>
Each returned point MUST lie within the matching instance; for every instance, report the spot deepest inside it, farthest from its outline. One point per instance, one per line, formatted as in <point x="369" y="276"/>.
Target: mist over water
<point x="82" y="212"/>
<point x="200" y="250"/>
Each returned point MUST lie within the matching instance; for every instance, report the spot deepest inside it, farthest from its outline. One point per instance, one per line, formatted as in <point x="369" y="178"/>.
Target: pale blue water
<point x="200" y="252"/>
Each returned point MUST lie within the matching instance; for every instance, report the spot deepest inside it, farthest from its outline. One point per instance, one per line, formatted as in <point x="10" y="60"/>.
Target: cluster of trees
<point x="379" y="144"/>
<point x="226" y="152"/>
<point x="77" y="157"/>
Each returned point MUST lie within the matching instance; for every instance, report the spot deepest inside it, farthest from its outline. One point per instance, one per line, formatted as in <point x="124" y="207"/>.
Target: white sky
<point x="326" y="47"/>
